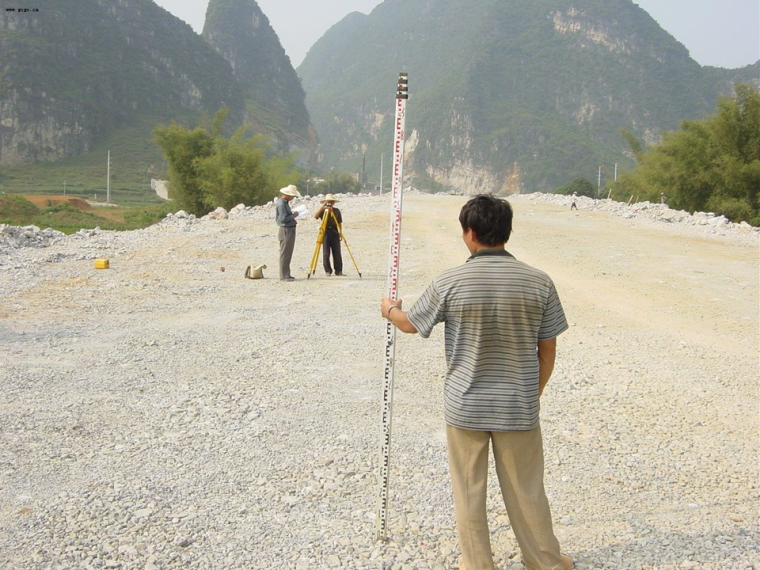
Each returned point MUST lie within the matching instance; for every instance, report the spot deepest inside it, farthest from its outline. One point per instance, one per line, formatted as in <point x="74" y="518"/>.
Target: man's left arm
<point x="547" y="353"/>
<point x="553" y="324"/>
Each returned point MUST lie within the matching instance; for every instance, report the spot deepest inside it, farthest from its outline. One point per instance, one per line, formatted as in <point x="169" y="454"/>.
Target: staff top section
<point x="402" y="89"/>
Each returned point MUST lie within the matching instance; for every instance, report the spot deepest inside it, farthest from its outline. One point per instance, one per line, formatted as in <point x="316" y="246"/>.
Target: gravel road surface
<point x="167" y="413"/>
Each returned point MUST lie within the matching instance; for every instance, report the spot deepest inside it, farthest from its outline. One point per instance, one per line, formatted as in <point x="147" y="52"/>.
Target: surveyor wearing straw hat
<point x="286" y="219"/>
<point x="331" y="240"/>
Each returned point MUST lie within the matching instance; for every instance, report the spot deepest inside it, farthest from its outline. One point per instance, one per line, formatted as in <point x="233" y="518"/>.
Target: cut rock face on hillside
<point x="242" y="34"/>
<point x="503" y="96"/>
<point x="96" y="70"/>
<point x="90" y="66"/>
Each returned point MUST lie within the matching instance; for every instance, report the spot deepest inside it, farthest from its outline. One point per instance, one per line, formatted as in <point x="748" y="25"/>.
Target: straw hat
<point x="329" y="198"/>
<point x="290" y="190"/>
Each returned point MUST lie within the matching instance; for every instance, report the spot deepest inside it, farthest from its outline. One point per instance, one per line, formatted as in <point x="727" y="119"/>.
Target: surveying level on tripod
<point x="328" y="239"/>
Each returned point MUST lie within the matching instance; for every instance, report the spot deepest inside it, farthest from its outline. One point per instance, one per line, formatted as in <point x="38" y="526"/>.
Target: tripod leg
<point x="315" y="255"/>
<point x="343" y="237"/>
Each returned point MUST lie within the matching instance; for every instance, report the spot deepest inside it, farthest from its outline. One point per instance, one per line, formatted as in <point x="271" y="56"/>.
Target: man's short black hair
<point x="489" y="217"/>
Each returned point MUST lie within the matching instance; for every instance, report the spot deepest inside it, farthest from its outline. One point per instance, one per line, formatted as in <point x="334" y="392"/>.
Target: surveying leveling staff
<point x="501" y="319"/>
<point x="286" y="219"/>
<point x="331" y="239"/>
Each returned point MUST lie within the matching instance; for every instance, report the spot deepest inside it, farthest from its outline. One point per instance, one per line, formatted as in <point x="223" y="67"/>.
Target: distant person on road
<point x="286" y="220"/>
<point x="502" y="318"/>
<point x="573" y="206"/>
<point x="331" y="239"/>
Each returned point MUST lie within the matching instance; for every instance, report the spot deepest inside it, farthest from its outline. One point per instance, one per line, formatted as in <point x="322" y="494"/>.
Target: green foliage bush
<point x="183" y="149"/>
<point x="207" y="170"/>
<point x="144" y="216"/>
<point x="581" y="186"/>
<point x="68" y="219"/>
<point x="338" y="183"/>
<point x="711" y="165"/>
<point x="14" y="208"/>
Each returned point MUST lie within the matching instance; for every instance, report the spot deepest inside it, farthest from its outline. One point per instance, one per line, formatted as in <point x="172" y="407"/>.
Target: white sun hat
<point x="290" y="190"/>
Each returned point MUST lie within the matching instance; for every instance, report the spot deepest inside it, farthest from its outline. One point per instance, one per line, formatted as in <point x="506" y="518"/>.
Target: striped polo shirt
<point x="496" y="309"/>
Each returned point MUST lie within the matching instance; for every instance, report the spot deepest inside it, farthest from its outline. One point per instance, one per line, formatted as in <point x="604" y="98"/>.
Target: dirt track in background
<point x="45" y="200"/>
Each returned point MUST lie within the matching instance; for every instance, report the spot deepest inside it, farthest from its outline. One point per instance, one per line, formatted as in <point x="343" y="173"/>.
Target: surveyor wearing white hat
<point x="331" y="240"/>
<point x="286" y="219"/>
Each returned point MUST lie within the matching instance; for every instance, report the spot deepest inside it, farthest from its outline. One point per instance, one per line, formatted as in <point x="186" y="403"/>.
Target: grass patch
<point x="135" y="159"/>
<point x="17" y="211"/>
<point x="16" y="208"/>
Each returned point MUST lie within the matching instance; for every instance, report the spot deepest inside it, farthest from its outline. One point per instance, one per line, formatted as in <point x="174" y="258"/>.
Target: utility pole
<point x="64" y="187"/>
<point x="599" y="182"/>
<point x="616" y="167"/>
<point x="108" y="179"/>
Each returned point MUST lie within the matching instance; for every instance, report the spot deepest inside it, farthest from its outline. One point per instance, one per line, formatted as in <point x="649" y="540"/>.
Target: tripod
<point x="329" y="214"/>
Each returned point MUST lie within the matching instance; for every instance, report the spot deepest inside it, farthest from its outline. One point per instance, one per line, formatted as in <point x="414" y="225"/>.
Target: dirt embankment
<point x="46" y="200"/>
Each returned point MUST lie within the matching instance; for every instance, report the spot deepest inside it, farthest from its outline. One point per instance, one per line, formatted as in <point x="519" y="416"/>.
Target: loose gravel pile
<point x="168" y="413"/>
<point x="707" y="222"/>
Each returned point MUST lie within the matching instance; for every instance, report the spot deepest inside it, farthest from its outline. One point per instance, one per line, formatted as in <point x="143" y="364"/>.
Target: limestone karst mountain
<point x="275" y="100"/>
<point x="74" y="70"/>
<point x="505" y="95"/>
<point x="78" y="77"/>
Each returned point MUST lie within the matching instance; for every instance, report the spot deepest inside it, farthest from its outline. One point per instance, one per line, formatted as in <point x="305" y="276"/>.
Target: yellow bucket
<point x="101" y="264"/>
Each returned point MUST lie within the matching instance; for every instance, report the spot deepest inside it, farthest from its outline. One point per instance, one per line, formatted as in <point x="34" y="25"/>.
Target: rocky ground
<point x="168" y="413"/>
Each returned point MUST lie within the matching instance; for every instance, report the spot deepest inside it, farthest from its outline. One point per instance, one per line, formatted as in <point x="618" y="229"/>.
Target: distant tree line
<point x="579" y="186"/>
<point x="337" y="183"/>
<point x="208" y="170"/>
<point x="710" y="166"/>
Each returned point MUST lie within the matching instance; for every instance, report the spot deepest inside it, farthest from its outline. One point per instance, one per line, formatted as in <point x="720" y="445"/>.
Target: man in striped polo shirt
<point x="502" y="318"/>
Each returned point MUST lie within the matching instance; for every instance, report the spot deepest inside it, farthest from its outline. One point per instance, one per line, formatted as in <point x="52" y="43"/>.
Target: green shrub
<point x="15" y="209"/>
<point x="338" y="183"/>
<point x="144" y="216"/>
<point x="711" y="165"/>
<point x="581" y="186"/>
<point x="207" y="170"/>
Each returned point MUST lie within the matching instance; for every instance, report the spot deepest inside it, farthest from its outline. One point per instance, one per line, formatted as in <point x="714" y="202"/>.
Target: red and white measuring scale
<point x="381" y="518"/>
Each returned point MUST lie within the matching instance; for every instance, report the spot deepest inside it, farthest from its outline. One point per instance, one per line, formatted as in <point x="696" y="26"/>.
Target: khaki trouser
<point x="331" y="243"/>
<point x="287" y="237"/>
<point x="519" y="458"/>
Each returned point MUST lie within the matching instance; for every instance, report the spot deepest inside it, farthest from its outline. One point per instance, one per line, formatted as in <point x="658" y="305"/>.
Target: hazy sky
<point x="723" y="33"/>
